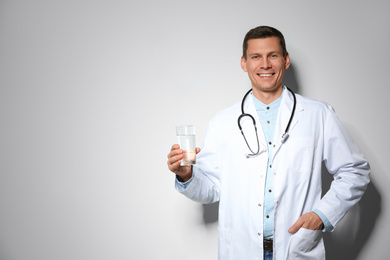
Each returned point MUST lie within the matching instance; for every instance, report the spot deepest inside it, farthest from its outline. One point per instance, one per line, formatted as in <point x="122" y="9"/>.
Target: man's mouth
<point x="265" y="74"/>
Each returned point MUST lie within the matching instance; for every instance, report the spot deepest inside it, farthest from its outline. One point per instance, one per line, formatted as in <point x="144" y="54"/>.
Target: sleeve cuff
<point x="183" y="185"/>
<point x="327" y="225"/>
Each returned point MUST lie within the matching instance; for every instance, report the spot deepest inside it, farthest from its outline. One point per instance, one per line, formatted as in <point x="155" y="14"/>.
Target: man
<point x="270" y="200"/>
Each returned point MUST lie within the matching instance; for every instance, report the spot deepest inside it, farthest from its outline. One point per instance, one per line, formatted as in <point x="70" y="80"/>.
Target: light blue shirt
<point x="268" y="115"/>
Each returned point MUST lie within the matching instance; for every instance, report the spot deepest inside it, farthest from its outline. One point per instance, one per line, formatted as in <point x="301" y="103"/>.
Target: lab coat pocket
<point x="306" y="244"/>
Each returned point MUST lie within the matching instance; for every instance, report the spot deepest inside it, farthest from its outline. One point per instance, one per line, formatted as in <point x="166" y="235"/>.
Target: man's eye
<point x="255" y="57"/>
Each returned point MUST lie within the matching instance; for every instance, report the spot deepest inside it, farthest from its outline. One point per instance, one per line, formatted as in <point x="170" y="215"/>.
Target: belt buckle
<point x="268" y="245"/>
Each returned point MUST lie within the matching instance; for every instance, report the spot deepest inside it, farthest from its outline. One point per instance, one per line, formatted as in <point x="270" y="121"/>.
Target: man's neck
<point x="267" y="97"/>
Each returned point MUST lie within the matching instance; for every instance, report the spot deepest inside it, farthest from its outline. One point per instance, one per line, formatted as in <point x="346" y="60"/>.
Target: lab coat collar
<point x="288" y="99"/>
<point x="284" y="114"/>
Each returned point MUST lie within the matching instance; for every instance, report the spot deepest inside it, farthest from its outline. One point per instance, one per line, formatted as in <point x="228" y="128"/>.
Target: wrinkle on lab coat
<point x="223" y="173"/>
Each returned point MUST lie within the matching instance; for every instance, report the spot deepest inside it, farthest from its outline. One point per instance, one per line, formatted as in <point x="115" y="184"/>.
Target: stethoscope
<point x="243" y="114"/>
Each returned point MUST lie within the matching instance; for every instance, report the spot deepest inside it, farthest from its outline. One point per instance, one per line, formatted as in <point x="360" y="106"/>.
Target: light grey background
<point x="90" y="93"/>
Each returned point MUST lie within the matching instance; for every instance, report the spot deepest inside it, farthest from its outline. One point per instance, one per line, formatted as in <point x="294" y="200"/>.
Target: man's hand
<point x="174" y="159"/>
<point x="309" y="221"/>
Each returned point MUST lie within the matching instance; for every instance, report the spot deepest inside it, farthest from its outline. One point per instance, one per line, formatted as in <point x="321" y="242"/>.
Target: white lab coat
<point x="223" y="173"/>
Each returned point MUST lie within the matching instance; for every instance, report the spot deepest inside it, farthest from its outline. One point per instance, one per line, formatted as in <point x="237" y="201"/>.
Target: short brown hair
<point x="263" y="32"/>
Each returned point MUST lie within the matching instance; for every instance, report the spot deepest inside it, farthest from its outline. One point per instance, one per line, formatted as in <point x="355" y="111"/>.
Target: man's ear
<point x="287" y="61"/>
<point x="243" y="63"/>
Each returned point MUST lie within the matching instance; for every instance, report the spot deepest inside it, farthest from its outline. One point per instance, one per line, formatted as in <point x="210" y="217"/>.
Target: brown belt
<point x="268" y="245"/>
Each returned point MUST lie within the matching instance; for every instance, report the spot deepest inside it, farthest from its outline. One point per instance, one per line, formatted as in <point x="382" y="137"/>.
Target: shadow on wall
<point x="353" y="231"/>
<point x="290" y="79"/>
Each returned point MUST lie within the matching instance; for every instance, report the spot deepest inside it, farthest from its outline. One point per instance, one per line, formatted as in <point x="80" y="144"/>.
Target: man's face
<point x="265" y="64"/>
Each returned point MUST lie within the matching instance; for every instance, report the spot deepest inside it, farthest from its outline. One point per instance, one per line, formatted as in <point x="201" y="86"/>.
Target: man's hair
<point x="263" y="32"/>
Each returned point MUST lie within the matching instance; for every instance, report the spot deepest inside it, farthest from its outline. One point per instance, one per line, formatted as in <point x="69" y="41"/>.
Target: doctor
<point x="268" y="179"/>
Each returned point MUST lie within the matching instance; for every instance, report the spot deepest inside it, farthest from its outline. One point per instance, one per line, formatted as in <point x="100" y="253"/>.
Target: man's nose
<point x="265" y="64"/>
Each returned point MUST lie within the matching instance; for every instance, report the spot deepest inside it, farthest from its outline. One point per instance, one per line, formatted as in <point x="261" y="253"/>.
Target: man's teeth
<point x="266" y="75"/>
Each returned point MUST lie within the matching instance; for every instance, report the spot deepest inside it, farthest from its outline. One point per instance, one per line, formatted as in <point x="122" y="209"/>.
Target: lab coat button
<point x="259" y="234"/>
<point x="259" y="205"/>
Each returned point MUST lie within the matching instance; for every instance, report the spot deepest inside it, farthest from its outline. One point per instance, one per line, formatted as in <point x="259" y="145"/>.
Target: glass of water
<point x="186" y="137"/>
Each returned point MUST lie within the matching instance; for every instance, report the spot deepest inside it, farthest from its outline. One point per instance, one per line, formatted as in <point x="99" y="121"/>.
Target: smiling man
<point x="270" y="200"/>
<point x="265" y="62"/>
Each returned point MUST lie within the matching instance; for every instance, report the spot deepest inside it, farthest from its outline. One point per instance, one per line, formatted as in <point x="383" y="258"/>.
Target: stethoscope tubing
<point x="243" y="114"/>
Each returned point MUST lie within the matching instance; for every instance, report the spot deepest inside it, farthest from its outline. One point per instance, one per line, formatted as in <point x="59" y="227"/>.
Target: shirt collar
<point x="260" y="106"/>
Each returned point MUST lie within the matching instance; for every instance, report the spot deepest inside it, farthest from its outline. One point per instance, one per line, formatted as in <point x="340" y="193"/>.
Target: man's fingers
<point x="175" y="150"/>
<point x="175" y="147"/>
<point x="297" y="225"/>
<point x="174" y="167"/>
<point x="174" y="159"/>
<point x="175" y="153"/>
<point x="309" y="221"/>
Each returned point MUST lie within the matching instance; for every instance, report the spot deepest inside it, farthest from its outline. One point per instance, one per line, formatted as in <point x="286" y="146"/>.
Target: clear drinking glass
<point x="186" y="137"/>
